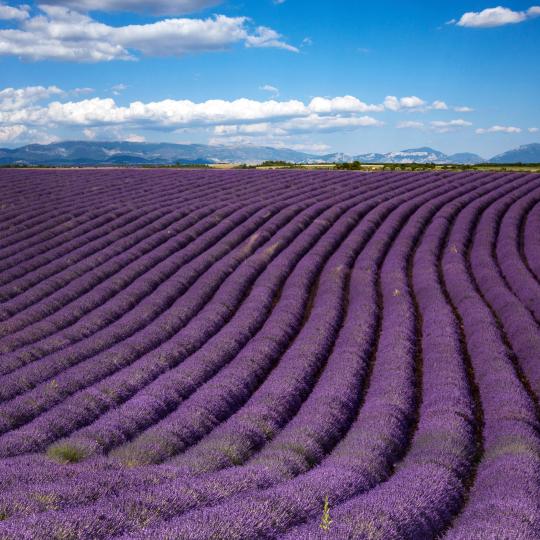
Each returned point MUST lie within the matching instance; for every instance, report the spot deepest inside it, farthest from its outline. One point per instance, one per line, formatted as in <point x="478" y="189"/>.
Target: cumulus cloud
<point x="451" y="125"/>
<point x="8" y="13"/>
<point x="319" y="114"/>
<point x="534" y="130"/>
<point x="497" y="16"/>
<point x="59" y="33"/>
<point x="411" y="102"/>
<point x="499" y="129"/>
<point x="439" y="106"/>
<point x="345" y="104"/>
<point x="17" y="98"/>
<point x="463" y="109"/>
<point x="155" y="7"/>
<point x="8" y="133"/>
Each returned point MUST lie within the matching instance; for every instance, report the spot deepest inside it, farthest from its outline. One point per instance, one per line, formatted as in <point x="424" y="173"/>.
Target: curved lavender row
<point x="34" y="260"/>
<point x="26" y="276"/>
<point x="509" y="258"/>
<point x="345" y="472"/>
<point x="152" y="204"/>
<point x="169" y="249"/>
<point x="278" y="399"/>
<point x="428" y="487"/>
<point x="112" y="301"/>
<point x="55" y="277"/>
<point x="134" y="337"/>
<point x="166" y="327"/>
<point x="78" y="192"/>
<point x="71" y="501"/>
<point x="517" y="323"/>
<point x="246" y="486"/>
<point x="531" y="240"/>
<point x="72" y="292"/>
<point x="504" y="499"/>
<point x="54" y="238"/>
<point x="187" y="494"/>
<point x="217" y="399"/>
<point x="96" y="400"/>
<point x="43" y="224"/>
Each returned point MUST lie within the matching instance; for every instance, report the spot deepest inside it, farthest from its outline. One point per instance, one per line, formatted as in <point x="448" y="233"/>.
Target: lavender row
<point x="519" y="325"/>
<point x="375" y="222"/>
<point x="381" y="424"/>
<point x="164" y="195"/>
<point x="171" y="498"/>
<point x="80" y="237"/>
<point x="531" y="240"/>
<point x="280" y="396"/>
<point x="503" y="500"/>
<point x="84" y="283"/>
<point x="177" y="384"/>
<point x="512" y="264"/>
<point x="194" y="301"/>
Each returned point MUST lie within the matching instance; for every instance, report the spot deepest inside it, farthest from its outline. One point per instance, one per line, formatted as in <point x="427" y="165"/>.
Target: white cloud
<point x="269" y="88"/>
<point x="497" y="16"/>
<point x="345" y="104"/>
<point x="316" y="123"/>
<point x="17" y="98"/>
<point x="411" y="102"/>
<point x="8" y="133"/>
<point x="463" y="109"/>
<point x="499" y="129"/>
<point x="156" y="7"/>
<point x="14" y="13"/>
<point x="62" y="34"/>
<point x="451" y="125"/>
<point x="318" y="114"/>
<point x="438" y="126"/>
<point x="410" y="125"/>
<point x="534" y="130"/>
<point x="439" y="105"/>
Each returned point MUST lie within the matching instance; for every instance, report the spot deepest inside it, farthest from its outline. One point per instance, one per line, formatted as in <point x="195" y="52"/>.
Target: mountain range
<point x="81" y="153"/>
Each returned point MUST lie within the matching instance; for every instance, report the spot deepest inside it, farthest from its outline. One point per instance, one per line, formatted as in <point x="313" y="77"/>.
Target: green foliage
<point x="278" y="163"/>
<point x="354" y="166"/>
<point x="66" y="453"/>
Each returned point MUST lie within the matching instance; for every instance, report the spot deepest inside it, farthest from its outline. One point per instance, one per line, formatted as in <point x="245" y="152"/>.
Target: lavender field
<point x="269" y="354"/>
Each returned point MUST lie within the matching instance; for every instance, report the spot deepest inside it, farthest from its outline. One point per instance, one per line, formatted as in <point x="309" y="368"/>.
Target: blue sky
<point x="349" y="76"/>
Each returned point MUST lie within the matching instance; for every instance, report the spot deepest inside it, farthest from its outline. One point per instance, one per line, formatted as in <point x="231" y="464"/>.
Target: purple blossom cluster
<point x="269" y="354"/>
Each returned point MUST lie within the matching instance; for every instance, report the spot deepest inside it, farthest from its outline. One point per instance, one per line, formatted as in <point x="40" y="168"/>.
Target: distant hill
<point x="80" y="153"/>
<point x="528" y="153"/>
<point x="77" y="153"/>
